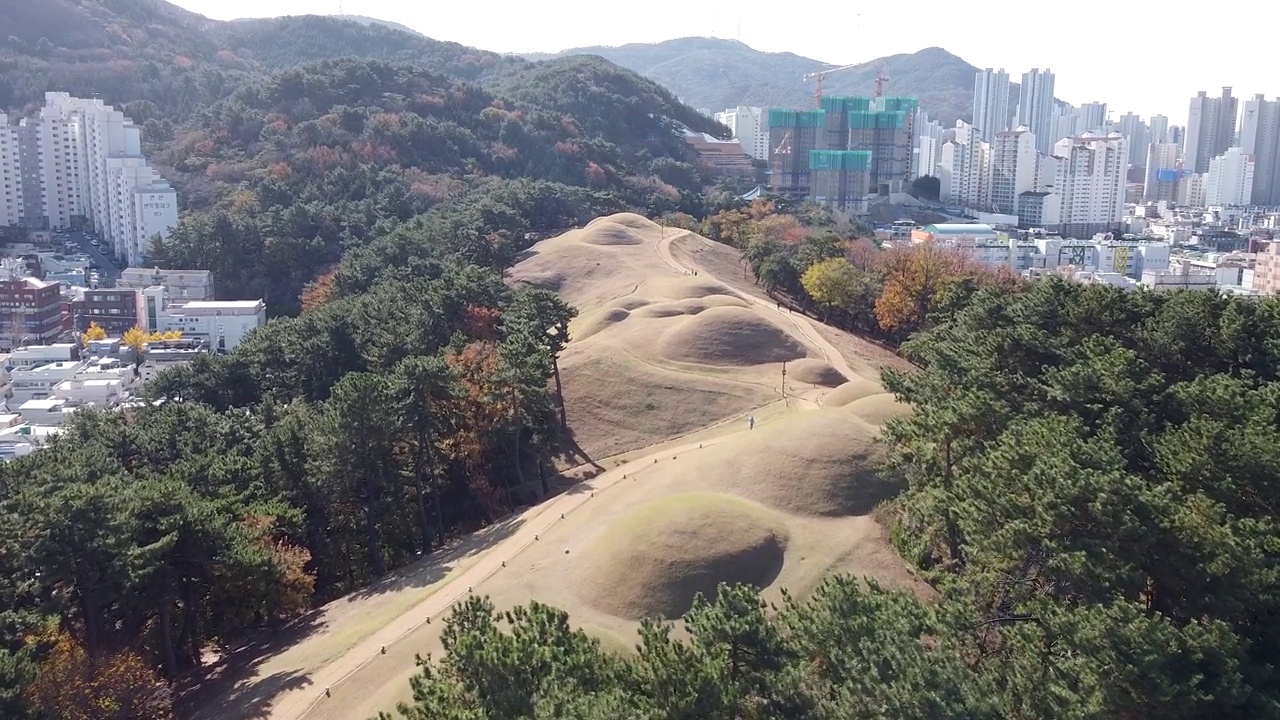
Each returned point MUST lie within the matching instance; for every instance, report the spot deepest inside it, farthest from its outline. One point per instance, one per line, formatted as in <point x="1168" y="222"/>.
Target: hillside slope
<point x="132" y="50"/>
<point x="714" y="73"/>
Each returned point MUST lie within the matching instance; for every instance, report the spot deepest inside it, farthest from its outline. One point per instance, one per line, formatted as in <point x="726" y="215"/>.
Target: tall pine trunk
<point x="372" y="535"/>
<point x="555" y="371"/>
<point x="424" y="525"/>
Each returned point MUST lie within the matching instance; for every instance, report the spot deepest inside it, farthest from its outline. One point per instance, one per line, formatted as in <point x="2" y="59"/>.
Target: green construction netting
<point x="877" y="120"/>
<point x="897" y="104"/>
<point x="839" y="159"/>
<point x="845" y="104"/>
<point x="796" y="118"/>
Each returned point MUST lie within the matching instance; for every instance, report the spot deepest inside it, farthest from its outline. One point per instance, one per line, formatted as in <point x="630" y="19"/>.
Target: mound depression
<point x="730" y="336"/>
<point x="653" y="561"/>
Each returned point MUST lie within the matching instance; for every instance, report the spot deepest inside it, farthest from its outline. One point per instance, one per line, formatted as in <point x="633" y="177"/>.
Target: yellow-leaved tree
<point x="135" y="338"/>
<point x="833" y="283"/>
<point x="91" y="333"/>
<point x="116" y="686"/>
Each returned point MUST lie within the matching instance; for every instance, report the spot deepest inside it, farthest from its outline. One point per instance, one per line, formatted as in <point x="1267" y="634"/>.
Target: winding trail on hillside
<point x="340" y="680"/>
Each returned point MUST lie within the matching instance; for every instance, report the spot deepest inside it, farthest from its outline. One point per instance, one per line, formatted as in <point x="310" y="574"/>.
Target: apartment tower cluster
<point x="79" y="164"/>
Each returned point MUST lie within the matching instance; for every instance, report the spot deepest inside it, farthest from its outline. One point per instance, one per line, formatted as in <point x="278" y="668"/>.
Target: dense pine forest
<point x="1089" y="477"/>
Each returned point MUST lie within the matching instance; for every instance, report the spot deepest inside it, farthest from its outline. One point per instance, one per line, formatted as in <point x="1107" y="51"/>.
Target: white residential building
<point x="750" y="126"/>
<point x="1013" y="168"/>
<point x="1158" y="129"/>
<point x="11" y="201"/>
<point x="1035" y="107"/>
<point x="990" y="102"/>
<point x="928" y="148"/>
<point x="223" y="324"/>
<point x="1191" y="190"/>
<point x="1230" y="179"/>
<point x="964" y="168"/>
<point x="1092" y="182"/>
<point x="87" y="159"/>
<point x="180" y="286"/>
<point x="1260" y="139"/>
<point x="1211" y="123"/>
<point x="1135" y="135"/>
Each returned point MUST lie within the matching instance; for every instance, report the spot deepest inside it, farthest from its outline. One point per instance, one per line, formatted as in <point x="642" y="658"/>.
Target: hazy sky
<point x="1141" y="56"/>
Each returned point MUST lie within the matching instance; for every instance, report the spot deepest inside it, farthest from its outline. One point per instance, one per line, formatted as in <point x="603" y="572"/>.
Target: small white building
<point x="49" y="411"/>
<point x="223" y="324"/>
<point x="35" y="355"/>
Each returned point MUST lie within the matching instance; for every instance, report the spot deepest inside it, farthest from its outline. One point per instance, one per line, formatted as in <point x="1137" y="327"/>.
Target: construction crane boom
<point x="819" y="75"/>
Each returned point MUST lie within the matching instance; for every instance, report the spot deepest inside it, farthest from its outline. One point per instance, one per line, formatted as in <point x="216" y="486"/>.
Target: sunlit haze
<point x="1132" y="56"/>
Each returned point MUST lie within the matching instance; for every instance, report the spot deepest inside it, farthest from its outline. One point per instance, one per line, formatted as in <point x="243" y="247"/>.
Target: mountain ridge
<point x="718" y="73"/>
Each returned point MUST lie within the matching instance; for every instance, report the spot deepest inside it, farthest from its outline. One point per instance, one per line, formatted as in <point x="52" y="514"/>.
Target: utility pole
<point x="784" y="384"/>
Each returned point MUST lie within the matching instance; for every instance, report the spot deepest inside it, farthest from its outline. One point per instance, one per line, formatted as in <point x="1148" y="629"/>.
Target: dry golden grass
<point x="656" y="559"/>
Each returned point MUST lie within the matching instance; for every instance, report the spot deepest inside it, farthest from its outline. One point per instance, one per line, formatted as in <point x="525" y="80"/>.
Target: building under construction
<point x="877" y="129"/>
<point x="841" y="179"/>
<point x="885" y="130"/>
<point x="792" y="134"/>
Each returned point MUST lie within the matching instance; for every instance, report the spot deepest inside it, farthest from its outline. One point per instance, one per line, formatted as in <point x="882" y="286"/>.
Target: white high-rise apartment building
<point x="1260" y="138"/>
<point x="11" y="201"/>
<point x="964" y="168"/>
<point x="1135" y="136"/>
<point x="1230" y="179"/>
<point x="89" y="157"/>
<point x="1093" y="118"/>
<point x="990" y="102"/>
<point x="1013" y="168"/>
<point x="750" y="126"/>
<point x="1035" y="107"/>
<point x="928" y="148"/>
<point x="1092" y="182"/>
<point x="1162" y="173"/>
<point x="1191" y="190"/>
<point x="1158" y="129"/>
<point x="1211" y="124"/>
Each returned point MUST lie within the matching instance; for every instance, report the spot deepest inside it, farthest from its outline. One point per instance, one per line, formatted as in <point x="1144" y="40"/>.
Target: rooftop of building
<point x="960" y="229"/>
<point x="58" y="365"/>
<point x="222" y="305"/>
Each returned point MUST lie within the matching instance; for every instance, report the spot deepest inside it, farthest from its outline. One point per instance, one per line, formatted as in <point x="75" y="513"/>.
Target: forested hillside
<point x="1090" y="483"/>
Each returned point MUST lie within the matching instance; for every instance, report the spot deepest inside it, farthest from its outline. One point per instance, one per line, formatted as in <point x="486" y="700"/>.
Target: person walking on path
<point x="751" y="422"/>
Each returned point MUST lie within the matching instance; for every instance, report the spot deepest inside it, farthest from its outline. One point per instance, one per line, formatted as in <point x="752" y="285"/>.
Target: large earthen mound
<point x="630" y="220"/>
<point x="815" y="372"/>
<point x="687" y="287"/>
<point x="728" y="336"/>
<point x="878" y="409"/>
<point x="820" y="462"/>
<point x="653" y="561"/>
<point x="610" y="233"/>
<point x="600" y="321"/>
<point x="852" y="391"/>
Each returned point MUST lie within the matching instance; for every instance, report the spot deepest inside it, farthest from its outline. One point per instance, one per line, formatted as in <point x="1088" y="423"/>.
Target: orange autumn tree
<point x="320" y="291"/>
<point x="915" y="278"/>
<point x="71" y="685"/>
<point x="482" y="411"/>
